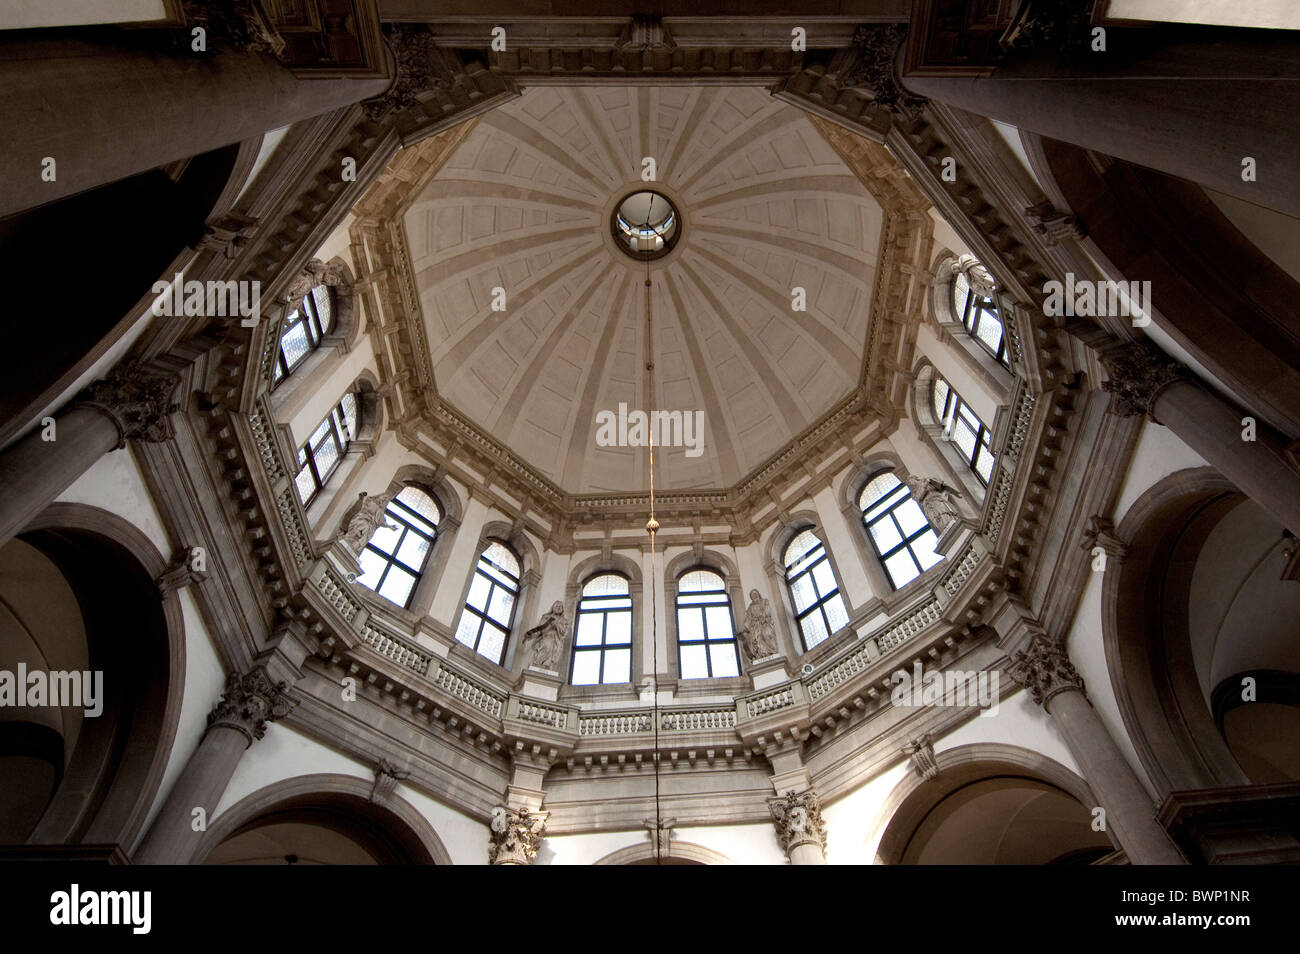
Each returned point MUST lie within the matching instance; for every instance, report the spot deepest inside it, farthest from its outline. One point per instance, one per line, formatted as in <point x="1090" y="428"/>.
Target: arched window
<point x="706" y="635"/>
<point x="818" y="605"/>
<point x="302" y="331"/>
<point x="901" y="536"/>
<point x="964" y="428"/>
<point x="973" y="304"/>
<point x="490" y="606"/>
<point x="320" y="456"/>
<point x="602" y="640"/>
<point x="395" y="556"/>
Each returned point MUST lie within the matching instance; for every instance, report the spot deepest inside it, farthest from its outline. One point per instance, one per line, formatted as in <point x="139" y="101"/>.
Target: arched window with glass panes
<point x="974" y="305"/>
<point x="489" y="607"/>
<point x="706" y="633"/>
<point x="814" y="590"/>
<point x="902" y="538"/>
<point x="319" y="457"/>
<point x="396" y="553"/>
<point x="962" y="426"/>
<point x="303" y="330"/>
<point x="602" y="636"/>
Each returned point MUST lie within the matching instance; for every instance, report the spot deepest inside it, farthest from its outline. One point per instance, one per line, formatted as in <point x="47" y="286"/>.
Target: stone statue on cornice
<point x="759" y="632"/>
<point x="936" y="500"/>
<point x="547" y="638"/>
<point x="363" y="519"/>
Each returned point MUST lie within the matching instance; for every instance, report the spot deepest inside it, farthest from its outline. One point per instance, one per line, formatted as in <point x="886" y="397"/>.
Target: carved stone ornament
<point x="921" y="752"/>
<point x="1138" y="372"/>
<point x="419" y="65"/>
<point x="758" y="634"/>
<point x="870" y="64"/>
<point x="645" y="33"/>
<point x="241" y="24"/>
<point x="1101" y="533"/>
<point x="1045" y="670"/>
<point x="660" y="832"/>
<point x="1049" y="25"/>
<point x="1052" y="224"/>
<point x="362" y="520"/>
<point x="137" y="399"/>
<point x="228" y="234"/>
<point x="547" y="638"/>
<point x="798" y="820"/>
<point x="314" y="273"/>
<point x="387" y="775"/>
<point x="515" y="835"/>
<point x="249" y="702"/>
<point x="180" y="573"/>
<point x="937" y="501"/>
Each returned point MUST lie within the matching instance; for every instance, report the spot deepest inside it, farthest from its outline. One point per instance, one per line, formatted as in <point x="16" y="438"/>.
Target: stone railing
<point x="539" y="713"/>
<point x="697" y="720"/>
<point x="468" y="690"/>
<point x="615" y="723"/>
<point x="391" y="646"/>
<point x="771" y="700"/>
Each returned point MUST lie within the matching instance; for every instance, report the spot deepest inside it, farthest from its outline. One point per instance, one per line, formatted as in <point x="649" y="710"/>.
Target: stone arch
<point x="850" y="489"/>
<point x="397" y="821"/>
<point x="582" y="571"/>
<point x="1148" y="650"/>
<point x="449" y="503"/>
<point x="135" y="634"/>
<point x="774" y="556"/>
<point x="679" y="852"/>
<point x="914" y="797"/>
<point x="530" y="576"/>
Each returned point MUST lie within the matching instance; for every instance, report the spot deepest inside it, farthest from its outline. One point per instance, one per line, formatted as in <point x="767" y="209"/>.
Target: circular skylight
<point x="646" y="224"/>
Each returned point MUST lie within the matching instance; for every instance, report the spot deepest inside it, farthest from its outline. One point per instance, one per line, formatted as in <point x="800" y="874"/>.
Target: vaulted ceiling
<point x="524" y="205"/>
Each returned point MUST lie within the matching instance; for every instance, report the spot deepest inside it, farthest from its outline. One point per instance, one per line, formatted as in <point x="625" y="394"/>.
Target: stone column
<point x="104" y="111"/>
<point x="130" y="403"/>
<point x="799" y="827"/>
<point x="1144" y="380"/>
<point x="1199" y="130"/>
<point x="1045" y="669"/>
<point x="250" y="701"/>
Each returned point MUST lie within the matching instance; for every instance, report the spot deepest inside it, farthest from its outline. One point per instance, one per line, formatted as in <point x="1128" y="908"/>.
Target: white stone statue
<point x="759" y="633"/>
<point x="363" y="519"/>
<point x="936" y="500"/>
<point x="547" y="638"/>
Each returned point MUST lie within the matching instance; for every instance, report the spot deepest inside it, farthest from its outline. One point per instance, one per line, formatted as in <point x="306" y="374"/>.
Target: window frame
<point x="484" y="617"/>
<point x="310" y="319"/>
<point x="390" y="559"/>
<point x="979" y="307"/>
<point x="337" y="430"/>
<point x="603" y="647"/>
<point x="822" y="600"/>
<point x="983" y="434"/>
<point x="905" y="540"/>
<point x="723" y="598"/>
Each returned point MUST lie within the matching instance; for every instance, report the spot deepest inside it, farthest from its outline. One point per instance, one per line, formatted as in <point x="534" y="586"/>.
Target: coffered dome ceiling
<point x="524" y="205"/>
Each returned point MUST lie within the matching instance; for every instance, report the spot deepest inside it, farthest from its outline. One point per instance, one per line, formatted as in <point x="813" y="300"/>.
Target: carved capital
<point x="228" y="234"/>
<point x="870" y="64"/>
<point x="798" y="820"/>
<point x="660" y="832"/>
<point x="1052" y="224"/>
<point x="249" y="702"/>
<point x="185" y="568"/>
<point x="515" y="835"/>
<point x="1049" y="25"/>
<point x="1045" y="670"/>
<point x="241" y="24"/>
<point x="1138" y="372"/>
<point x="645" y="34"/>
<point x="137" y="399"/>
<point x="1101" y="533"/>
<point x="419" y="65"/>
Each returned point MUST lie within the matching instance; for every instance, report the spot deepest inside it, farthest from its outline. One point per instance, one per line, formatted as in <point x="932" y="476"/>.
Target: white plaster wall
<point x="333" y="379"/>
<point x="1159" y="453"/>
<point x="742" y="844"/>
<point x="114" y="483"/>
<point x="972" y="390"/>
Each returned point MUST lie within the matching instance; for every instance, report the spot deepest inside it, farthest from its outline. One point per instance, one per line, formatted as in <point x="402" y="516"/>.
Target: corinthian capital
<point x="242" y="24"/>
<point x="137" y="399"/>
<point x="870" y="64"/>
<point x="1045" y="670"/>
<point x="419" y="65"/>
<point x="515" y="835"/>
<point x="1138" y="372"/>
<point x="798" y="820"/>
<point x="249" y="702"/>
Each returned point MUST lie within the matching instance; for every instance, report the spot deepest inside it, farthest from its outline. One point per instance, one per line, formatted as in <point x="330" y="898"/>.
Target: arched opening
<point x="1200" y="636"/>
<point x="81" y="617"/>
<point x="322" y="829"/>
